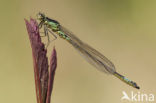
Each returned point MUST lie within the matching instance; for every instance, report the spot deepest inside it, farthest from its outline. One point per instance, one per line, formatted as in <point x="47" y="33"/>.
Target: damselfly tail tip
<point x="133" y="84"/>
<point x="126" y="80"/>
<point x="137" y="87"/>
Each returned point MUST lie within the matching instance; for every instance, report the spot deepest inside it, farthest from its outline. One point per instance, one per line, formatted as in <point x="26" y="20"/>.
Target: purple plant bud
<point x="40" y="61"/>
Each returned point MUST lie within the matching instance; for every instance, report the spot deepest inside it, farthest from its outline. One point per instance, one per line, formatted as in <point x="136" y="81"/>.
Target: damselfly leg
<point x="46" y="34"/>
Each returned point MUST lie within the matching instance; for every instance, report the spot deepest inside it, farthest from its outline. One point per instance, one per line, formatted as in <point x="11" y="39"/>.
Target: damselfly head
<point x="40" y="16"/>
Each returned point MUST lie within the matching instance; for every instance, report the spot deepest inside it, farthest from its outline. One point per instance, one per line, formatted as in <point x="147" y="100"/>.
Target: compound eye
<point x="40" y="16"/>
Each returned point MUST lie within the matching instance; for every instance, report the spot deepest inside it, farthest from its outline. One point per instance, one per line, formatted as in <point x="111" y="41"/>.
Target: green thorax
<point x="52" y="25"/>
<point x="55" y="28"/>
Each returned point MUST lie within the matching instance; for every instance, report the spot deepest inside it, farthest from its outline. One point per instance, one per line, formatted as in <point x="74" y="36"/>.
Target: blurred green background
<point x="122" y="30"/>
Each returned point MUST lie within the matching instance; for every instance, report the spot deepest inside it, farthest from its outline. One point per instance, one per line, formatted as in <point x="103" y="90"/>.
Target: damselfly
<point x="95" y="58"/>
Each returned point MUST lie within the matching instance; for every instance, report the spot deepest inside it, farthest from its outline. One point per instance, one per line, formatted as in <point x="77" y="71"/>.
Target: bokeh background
<point x="122" y="30"/>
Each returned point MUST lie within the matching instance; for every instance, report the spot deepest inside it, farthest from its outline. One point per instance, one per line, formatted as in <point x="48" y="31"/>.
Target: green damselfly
<point x="95" y="58"/>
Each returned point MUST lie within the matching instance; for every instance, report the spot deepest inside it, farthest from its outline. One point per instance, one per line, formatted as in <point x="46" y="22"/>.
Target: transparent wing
<point x="91" y="55"/>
